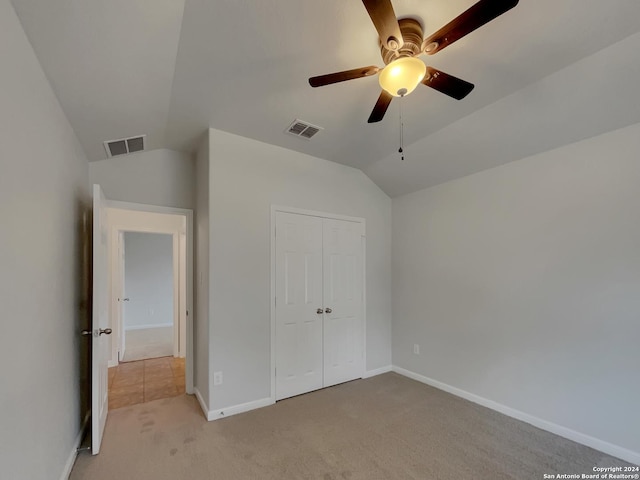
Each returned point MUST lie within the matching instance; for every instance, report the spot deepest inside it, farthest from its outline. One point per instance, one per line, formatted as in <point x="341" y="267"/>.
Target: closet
<point x="318" y="302"/>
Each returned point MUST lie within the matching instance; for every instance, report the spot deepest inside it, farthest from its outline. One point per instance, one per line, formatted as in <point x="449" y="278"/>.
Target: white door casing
<point x="176" y="296"/>
<point x="100" y="322"/>
<point x="342" y="292"/>
<point x="298" y="298"/>
<point x="182" y="295"/>
<point x="318" y="340"/>
<point x="120" y="296"/>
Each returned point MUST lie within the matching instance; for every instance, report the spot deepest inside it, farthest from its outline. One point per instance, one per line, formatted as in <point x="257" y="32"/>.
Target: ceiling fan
<point x="401" y="42"/>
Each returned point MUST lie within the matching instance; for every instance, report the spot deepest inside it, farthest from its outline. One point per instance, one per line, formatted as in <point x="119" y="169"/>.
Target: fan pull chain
<point x="401" y="149"/>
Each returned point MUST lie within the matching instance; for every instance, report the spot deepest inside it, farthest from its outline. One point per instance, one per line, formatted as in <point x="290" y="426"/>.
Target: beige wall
<point x="43" y="268"/>
<point x="246" y="178"/>
<point x="156" y="177"/>
<point x="521" y="284"/>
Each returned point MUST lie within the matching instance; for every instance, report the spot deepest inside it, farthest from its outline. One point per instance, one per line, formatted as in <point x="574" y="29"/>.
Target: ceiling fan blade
<point x="386" y="23"/>
<point x="482" y="12"/>
<point x="447" y="84"/>
<point x="381" y="107"/>
<point x="330" y="78"/>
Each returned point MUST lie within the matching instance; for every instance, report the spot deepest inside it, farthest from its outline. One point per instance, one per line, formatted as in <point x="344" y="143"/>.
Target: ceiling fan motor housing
<point x="412" y="35"/>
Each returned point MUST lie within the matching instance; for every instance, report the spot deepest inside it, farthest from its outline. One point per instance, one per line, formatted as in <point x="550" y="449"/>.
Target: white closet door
<point x="298" y="297"/>
<point x="343" y="335"/>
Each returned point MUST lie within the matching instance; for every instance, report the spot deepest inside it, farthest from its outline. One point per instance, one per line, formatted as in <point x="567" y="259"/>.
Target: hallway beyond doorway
<point x="146" y="343"/>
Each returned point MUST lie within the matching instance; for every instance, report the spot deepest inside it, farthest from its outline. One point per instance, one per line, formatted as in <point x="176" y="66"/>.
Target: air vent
<point x="124" y="145"/>
<point x="303" y="129"/>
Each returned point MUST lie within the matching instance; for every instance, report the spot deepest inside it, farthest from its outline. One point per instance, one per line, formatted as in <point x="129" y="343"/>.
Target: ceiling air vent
<point x="124" y="145"/>
<point x="303" y="129"/>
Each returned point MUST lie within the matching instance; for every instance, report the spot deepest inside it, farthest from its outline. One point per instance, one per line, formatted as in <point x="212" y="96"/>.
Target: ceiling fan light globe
<point x="402" y="76"/>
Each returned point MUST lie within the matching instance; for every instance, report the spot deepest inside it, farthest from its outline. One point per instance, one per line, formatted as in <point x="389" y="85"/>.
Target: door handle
<point x="327" y="310"/>
<point x="125" y="299"/>
<point x="88" y="333"/>
<point x="319" y="311"/>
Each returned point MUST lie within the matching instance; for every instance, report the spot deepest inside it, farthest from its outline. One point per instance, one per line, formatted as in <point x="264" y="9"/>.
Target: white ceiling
<point x="172" y="68"/>
<point x="111" y="64"/>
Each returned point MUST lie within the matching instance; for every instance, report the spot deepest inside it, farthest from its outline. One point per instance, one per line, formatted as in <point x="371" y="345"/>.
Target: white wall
<point x="155" y="177"/>
<point x="201" y="341"/>
<point x="247" y="177"/>
<point x="43" y="267"/>
<point x="148" y="280"/>
<point x="522" y="285"/>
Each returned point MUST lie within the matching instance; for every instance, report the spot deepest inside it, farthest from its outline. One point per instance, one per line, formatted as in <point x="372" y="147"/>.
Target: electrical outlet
<point x="416" y="349"/>
<point x="217" y="378"/>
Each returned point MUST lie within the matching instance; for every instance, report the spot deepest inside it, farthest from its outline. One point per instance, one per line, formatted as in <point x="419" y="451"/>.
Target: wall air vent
<point x="303" y="129"/>
<point x="125" y="145"/>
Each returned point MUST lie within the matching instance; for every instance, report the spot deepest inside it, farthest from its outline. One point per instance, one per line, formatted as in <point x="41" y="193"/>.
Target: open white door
<point x="100" y="345"/>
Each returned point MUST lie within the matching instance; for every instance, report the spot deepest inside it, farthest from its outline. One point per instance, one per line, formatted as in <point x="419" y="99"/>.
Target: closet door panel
<point x="299" y="352"/>
<point x="343" y="322"/>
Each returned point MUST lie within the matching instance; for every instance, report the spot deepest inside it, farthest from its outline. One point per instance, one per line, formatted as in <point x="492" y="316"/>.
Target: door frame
<point x="182" y="244"/>
<point x="117" y="277"/>
<point x="272" y="298"/>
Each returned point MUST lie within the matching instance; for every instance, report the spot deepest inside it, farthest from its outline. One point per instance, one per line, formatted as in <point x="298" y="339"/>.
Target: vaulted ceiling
<point x="547" y="73"/>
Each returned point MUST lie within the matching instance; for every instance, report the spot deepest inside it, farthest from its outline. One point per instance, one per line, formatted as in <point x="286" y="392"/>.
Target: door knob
<point x="327" y="310"/>
<point x="88" y="333"/>
<point x="125" y="299"/>
<point x="319" y="311"/>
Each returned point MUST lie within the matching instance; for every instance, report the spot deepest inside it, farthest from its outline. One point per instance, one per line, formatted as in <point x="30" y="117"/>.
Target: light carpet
<point x="385" y="427"/>
<point x="147" y="343"/>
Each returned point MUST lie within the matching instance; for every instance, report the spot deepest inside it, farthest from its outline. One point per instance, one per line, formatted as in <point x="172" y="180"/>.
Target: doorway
<point x="150" y="259"/>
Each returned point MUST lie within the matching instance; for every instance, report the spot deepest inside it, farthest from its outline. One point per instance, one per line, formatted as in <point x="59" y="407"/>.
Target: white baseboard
<point x="203" y="405"/>
<point x="377" y="371"/>
<point x="68" y="466"/>
<point x="144" y="327"/>
<point x="589" y="441"/>
<point x="241" y="408"/>
<point x="264" y="402"/>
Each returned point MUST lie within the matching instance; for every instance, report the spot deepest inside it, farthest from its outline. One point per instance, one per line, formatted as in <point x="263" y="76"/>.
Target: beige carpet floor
<point x="148" y="343"/>
<point x="385" y="427"/>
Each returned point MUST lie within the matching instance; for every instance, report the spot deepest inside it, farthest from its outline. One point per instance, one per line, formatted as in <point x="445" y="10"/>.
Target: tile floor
<point x="145" y="380"/>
